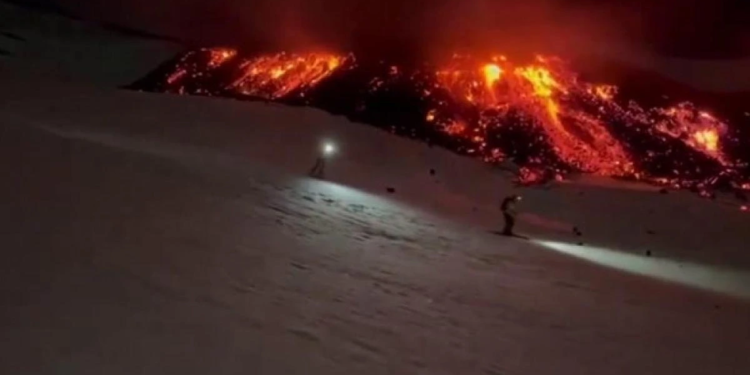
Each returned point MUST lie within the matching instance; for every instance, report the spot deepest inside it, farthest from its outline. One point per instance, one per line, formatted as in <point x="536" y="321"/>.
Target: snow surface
<point x="60" y="48"/>
<point x="159" y="234"/>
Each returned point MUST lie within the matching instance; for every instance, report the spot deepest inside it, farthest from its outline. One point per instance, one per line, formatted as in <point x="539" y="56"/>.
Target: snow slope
<point x="160" y="234"/>
<point x="48" y="45"/>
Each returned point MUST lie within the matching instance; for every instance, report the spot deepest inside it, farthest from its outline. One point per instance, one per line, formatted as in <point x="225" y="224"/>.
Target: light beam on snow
<point x="711" y="278"/>
<point x="343" y="193"/>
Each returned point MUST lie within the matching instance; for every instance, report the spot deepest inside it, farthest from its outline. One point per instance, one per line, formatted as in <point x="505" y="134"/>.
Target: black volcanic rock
<point x="740" y="195"/>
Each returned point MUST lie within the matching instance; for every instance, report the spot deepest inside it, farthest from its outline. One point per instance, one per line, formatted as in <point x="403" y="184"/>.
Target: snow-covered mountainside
<point x="48" y="45"/>
<point x="159" y="234"/>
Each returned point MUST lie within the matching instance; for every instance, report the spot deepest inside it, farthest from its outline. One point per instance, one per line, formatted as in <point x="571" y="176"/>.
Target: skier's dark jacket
<point x="509" y="205"/>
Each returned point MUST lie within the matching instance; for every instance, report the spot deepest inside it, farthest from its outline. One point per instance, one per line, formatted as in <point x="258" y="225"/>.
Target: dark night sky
<point x="687" y="28"/>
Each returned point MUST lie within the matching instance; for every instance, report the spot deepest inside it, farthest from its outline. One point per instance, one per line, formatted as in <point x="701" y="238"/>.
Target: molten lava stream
<point x="578" y="139"/>
<point x="276" y="76"/>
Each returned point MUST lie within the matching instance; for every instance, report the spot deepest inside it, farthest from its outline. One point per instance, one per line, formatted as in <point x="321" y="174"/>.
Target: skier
<point x="318" y="170"/>
<point x="509" y="213"/>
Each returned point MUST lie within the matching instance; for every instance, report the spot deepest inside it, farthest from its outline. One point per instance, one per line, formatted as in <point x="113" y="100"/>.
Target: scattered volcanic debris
<point x="539" y="114"/>
<point x="577" y="231"/>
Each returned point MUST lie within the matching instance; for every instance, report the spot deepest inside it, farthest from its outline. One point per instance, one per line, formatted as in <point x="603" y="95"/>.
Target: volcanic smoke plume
<point x="538" y="114"/>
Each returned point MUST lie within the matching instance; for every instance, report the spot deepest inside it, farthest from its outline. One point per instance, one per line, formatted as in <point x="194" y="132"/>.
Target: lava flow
<point x="539" y="114"/>
<point x="276" y="76"/>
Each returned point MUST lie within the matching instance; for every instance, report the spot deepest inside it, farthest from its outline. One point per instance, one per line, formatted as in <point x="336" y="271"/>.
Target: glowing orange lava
<point x="219" y="56"/>
<point x="275" y="76"/>
<point x="578" y="138"/>
<point x="707" y="139"/>
<point x="697" y="129"/>
<point x="605" y="92"/>
<point x="492" y="74"/>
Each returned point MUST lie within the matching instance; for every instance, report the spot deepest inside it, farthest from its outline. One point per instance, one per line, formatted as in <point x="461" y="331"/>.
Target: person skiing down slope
<point x="508" y="207"/>
<point x="319" y="169"/>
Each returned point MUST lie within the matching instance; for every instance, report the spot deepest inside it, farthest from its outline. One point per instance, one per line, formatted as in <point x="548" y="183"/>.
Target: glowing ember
<point x="430" y="116"/>
<point x="199" y="63"/>
<point x="220" y="56"/>
<point x="529" y="176"/>
<point x="605" y="92"/>
<point x="540" y="114"/>
<point x="455" y="128"/>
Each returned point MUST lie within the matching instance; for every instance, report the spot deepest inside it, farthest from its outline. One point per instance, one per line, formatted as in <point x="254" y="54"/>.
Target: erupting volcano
<point x="538" y="114"/>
